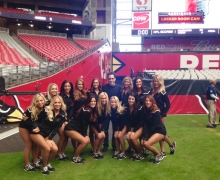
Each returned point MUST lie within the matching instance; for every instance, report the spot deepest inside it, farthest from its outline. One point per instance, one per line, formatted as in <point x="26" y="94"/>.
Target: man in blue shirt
<point x="212" y="98"/>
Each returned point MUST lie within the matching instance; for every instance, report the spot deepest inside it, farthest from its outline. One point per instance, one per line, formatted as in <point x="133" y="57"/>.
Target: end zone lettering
<point x="141" y="32"/>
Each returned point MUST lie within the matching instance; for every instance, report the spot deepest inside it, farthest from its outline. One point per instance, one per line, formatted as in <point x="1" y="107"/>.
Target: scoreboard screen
<point x="185" y="14"/>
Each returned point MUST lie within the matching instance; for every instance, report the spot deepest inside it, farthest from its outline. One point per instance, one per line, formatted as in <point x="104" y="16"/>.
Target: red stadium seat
<point x="53" y="48"/>
<point x="10" y="56"/>
<point x="86" y="43"/>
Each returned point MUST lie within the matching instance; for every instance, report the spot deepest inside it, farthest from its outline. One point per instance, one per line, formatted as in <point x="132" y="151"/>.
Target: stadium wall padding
<point x="95" y="65"/>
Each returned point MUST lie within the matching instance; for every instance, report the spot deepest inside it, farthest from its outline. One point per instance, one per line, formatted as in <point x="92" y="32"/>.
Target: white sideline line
<point x="8" y="133"/>
<point x="201" y="104"/>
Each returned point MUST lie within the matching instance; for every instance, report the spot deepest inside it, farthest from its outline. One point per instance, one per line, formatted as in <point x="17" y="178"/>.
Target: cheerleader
<point x="66" y="92"/>
<point x="119" y="127"/>
<point x="159" y="93"/>
<point x="46" y="127"/>
<point x="77" y="128"/>
<point x="80" y="95"/>
<point x="134" y="126"/>
<point x="139" y="90"/>
<point x="104" y="110"/>
<point x="25" y="126"/>
<point x="127" y="87"/>
<point x="95" y="89"/>
<point x="52" y="90"/>
<point x="154" y="130"/>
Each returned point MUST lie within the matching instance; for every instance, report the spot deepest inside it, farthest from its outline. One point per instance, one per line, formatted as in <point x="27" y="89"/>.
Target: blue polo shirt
<point x="210" y="90"/>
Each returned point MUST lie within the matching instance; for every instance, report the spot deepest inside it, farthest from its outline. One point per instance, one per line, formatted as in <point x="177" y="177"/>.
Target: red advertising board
<point x="141" y="20"/>
<point x="176" y="44"/>
<point x="165" y="61"/>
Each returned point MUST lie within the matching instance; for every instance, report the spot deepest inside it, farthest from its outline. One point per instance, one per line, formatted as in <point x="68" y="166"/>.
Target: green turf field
<point x="197" y="156"/>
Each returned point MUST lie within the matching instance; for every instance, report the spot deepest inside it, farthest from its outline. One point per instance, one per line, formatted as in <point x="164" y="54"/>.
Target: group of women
<point x="135" y="113"/>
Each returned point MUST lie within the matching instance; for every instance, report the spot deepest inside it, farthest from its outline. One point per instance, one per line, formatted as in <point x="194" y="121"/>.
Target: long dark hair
<point x="93" y="112"/>
<point x="62" y="90"/>
<point x="99" y="87"/>
<point x="135" y="89"/>
<point x="136" y="103"/>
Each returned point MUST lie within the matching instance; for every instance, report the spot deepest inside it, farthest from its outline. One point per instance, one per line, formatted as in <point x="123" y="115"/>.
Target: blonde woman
<point x="127" y="87"/>
<point x="104" y="110"/>
<point x="119" y="127"/>
<point x="34" y="111"/>
<point x="45" y="128"/>
<point x="52" y="90"/>
<point x="163" y="103"/>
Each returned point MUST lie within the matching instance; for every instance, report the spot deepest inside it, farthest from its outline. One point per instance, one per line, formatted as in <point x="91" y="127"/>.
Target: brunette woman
<point x="159" y="93"/>
<point x="154" y="129"/>
<point x="127" y="87"/>
<point x="119" y="127"/>
<point x="104" y="110"/>
<point x="134" y="126"/>
<point x="139" y="90"/>
<point x="95" y="89"/>
<point x="77" y="128"/>
<point x="66" y="92"/>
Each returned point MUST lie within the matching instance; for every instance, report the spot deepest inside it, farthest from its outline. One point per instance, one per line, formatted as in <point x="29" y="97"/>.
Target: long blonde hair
<point x="49" y="88"/>
<point x="51" y="107"/>
<point x="120" y="108"/>
<point x="130" y="81"/>
<point x="107" y="107"/>
<point x="161" y="82"/>
<point x="33" y="107"/>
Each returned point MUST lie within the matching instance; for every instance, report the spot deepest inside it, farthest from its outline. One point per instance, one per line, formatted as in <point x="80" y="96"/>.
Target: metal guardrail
<point x="42" y="33"/>
<point x="86" y="37"/>
<point x="17" y="75"/>
<point x="4" y="29"/>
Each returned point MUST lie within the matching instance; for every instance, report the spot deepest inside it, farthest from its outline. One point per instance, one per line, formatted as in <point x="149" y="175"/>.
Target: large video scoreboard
<point x="178" y="18"/>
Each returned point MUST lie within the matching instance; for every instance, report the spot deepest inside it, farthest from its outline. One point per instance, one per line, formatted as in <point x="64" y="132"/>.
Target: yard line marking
<point x="194" y="121"/>
<point x="8" y="133"/>
<point x="210" y="129"/>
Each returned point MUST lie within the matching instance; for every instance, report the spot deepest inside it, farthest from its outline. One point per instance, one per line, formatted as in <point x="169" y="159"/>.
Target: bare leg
<point x="117" y="141"/>
<point x="41" y="142"/>
<point x="134" y="140"/>
<point x="24" y="133"/>
<point x="121" y="139"/>
<point x="83" y="142"/>
<point x="153" y="139"/>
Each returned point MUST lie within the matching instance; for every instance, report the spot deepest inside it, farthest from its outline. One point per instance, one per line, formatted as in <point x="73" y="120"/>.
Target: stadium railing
<point x="16" y="75"/>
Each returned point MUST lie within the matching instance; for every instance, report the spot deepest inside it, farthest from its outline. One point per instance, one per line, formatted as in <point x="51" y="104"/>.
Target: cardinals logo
<point x="141" y="2"/>
<point x="10" y="110"/>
